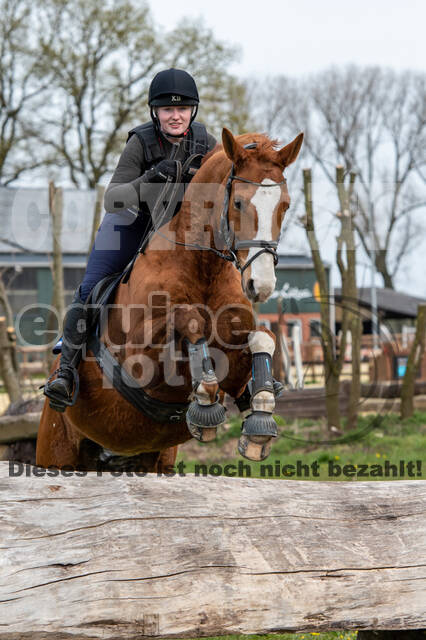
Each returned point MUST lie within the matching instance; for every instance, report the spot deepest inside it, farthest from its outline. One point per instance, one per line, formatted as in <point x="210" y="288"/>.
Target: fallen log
<point x="131" y="557"/>
<point x="20" y="427"/>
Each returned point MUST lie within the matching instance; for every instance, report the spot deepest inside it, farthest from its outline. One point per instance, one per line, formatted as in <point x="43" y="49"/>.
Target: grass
<point x="381" y="448"/>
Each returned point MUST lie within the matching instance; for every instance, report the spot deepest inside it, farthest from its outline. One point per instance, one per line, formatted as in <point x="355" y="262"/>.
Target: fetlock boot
<point x="62" y="390"/>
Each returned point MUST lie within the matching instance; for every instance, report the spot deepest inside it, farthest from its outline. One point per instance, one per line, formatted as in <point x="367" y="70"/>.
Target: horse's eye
<point x="238" y="204"/>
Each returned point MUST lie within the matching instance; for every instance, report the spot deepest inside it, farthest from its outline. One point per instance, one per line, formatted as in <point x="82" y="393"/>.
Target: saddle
<point x="121" y="380"/>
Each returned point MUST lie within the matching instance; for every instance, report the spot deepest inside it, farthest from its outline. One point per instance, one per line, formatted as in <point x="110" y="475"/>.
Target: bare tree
<point x="21" y="84"/>
<point x="103" y="59"/>
<point x="351" y="321"/>
<point x="224" y="101"/>
<point x="333" y="363"/>
<point x="346" y="261"/>
<point x="371" y="121"/>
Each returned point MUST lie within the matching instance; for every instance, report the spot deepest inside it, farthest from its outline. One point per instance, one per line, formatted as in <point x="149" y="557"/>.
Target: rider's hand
<point x="188" y="175"/>
<point x="163" y="170"/>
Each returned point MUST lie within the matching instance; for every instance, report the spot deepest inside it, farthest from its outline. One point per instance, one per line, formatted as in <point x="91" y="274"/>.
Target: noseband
<point x="266" y="246"/>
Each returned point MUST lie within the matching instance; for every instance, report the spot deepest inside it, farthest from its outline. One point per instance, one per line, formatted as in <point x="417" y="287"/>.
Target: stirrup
<point x="57" y="401"/>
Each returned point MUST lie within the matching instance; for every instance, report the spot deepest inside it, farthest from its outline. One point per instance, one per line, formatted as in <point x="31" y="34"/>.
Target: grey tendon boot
<point x="62" y="391"/>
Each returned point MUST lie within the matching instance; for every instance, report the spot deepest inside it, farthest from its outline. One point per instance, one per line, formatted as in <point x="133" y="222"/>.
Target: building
<point x="26" y="252"/>
<point x="297" y="293"/>
<point x="396" y="311"/>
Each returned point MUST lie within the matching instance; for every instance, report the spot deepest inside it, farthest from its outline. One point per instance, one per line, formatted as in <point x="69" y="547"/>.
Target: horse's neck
<point x="197" y="224"/>
<point x="199" y="217"/>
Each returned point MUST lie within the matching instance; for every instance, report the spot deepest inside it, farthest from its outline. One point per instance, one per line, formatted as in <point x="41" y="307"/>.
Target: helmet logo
<point x="176" y="98"/>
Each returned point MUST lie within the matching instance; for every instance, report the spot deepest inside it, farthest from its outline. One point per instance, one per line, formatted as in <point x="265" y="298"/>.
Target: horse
<point x="184" y="322"/>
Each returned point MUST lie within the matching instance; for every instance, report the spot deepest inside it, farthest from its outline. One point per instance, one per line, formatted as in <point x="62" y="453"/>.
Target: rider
<point x="149" y="157"/>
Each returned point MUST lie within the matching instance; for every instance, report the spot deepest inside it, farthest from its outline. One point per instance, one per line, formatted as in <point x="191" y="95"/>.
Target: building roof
<point x="34" y="260"/>
<point x="296" y="261"/>
<point x="25" y="224"/>
<point x="392" y="304"/>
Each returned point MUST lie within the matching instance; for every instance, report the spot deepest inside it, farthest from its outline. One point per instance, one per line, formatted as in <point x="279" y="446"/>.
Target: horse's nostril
<point x="251" y="291"/>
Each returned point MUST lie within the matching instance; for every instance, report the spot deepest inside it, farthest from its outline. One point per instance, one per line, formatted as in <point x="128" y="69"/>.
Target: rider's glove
<point x="161" y="171"/>
<point x="188" y="175"/>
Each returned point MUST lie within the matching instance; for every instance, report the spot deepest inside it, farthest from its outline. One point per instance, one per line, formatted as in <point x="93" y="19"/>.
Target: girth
<point x="128" y="387"/>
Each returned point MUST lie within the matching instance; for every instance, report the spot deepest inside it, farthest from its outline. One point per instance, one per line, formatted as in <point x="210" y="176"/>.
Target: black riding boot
<point x="63" y="390"/>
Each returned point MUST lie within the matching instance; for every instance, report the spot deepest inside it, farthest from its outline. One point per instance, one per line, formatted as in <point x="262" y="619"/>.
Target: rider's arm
<point x="126" y="189"/>
<point x="130" y="182"/>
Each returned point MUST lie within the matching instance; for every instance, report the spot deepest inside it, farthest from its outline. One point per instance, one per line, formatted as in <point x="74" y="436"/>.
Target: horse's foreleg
<point x="205" y="414"/>
<point x="259" y="427"/>
<point x="167" y="460"/>
<point x="58" y="445"/>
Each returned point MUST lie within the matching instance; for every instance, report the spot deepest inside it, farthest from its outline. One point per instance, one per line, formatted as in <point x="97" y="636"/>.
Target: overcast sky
<point x="298" y="37"/>
<point x="295" y="37"/>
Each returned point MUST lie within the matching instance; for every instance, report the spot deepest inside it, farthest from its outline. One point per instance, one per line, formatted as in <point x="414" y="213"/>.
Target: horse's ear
<point x="289" y="153"/>
<point x="232" y="148"/>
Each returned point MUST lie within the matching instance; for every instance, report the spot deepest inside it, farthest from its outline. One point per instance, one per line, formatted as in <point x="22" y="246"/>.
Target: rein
<point x="266" y="246"/>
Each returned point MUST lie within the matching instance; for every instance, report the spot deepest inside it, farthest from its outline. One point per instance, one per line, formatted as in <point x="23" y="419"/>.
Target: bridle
<point x="266" y="246"/>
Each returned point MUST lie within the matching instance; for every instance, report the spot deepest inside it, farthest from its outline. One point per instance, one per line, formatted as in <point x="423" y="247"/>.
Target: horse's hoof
<point x="202" y="434"/>
<point x="260" y="423"/>
<point x="256" y="436"/>
<point x="255" y="448"/>
<point x="204" y="419"/>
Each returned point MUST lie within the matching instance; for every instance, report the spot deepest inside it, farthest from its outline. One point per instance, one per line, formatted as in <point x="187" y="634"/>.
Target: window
<point x="73" y="277"/>
<point x="315" y="328"/>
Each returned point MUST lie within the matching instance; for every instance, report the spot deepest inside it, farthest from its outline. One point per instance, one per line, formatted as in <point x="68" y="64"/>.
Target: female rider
<point x="149" y="157"/>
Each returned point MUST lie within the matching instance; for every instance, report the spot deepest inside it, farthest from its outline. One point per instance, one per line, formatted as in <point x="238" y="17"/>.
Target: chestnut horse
<point x="185" y="297"/>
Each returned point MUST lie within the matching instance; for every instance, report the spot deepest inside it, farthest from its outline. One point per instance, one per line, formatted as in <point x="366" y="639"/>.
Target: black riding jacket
<point x="145" y="147"/>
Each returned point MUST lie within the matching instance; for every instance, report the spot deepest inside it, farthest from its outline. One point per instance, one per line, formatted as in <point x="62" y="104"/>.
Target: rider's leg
<point x="116" y="242"/>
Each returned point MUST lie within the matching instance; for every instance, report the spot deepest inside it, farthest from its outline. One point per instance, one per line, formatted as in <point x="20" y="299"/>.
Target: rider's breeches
<point x="117" y="241"/>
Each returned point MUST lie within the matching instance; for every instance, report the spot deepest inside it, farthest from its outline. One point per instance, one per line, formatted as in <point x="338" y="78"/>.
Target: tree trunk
<point x="332" y="391"/>
<point x="7" y="309"/>
<point x="58" y="296"/>
<point x="382" y="268"/>
<point x="7" y="369"/>
<point x="350" y="305"/>
<point x="355" y="327"/>
<point x="414" y="360"/>
<point x="332" y="364"/>
<point x="100" y="191"/>
<point x="56" y="209"/>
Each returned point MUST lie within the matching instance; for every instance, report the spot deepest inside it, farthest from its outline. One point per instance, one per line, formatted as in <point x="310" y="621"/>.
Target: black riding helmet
<point x="173" y="87"/>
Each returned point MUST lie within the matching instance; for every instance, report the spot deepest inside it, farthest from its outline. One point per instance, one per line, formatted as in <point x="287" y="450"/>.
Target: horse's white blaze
<point x="262" y="269"/>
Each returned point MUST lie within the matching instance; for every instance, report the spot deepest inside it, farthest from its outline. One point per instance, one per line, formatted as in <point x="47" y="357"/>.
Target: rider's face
<point x="174" y="120"/>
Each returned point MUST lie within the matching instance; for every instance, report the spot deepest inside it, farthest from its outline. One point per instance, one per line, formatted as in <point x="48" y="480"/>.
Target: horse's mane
<point x="265" y="149"/>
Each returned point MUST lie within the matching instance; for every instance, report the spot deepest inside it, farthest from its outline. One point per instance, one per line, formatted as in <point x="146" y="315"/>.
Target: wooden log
<point x="308" y="403"/>
<point x="21" y="427"/>
<point x="131" y="557"/>
<point x="390" y="390"/>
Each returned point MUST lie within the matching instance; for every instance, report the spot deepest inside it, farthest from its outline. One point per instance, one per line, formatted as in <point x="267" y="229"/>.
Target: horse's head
<point x="256" y="200"/>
